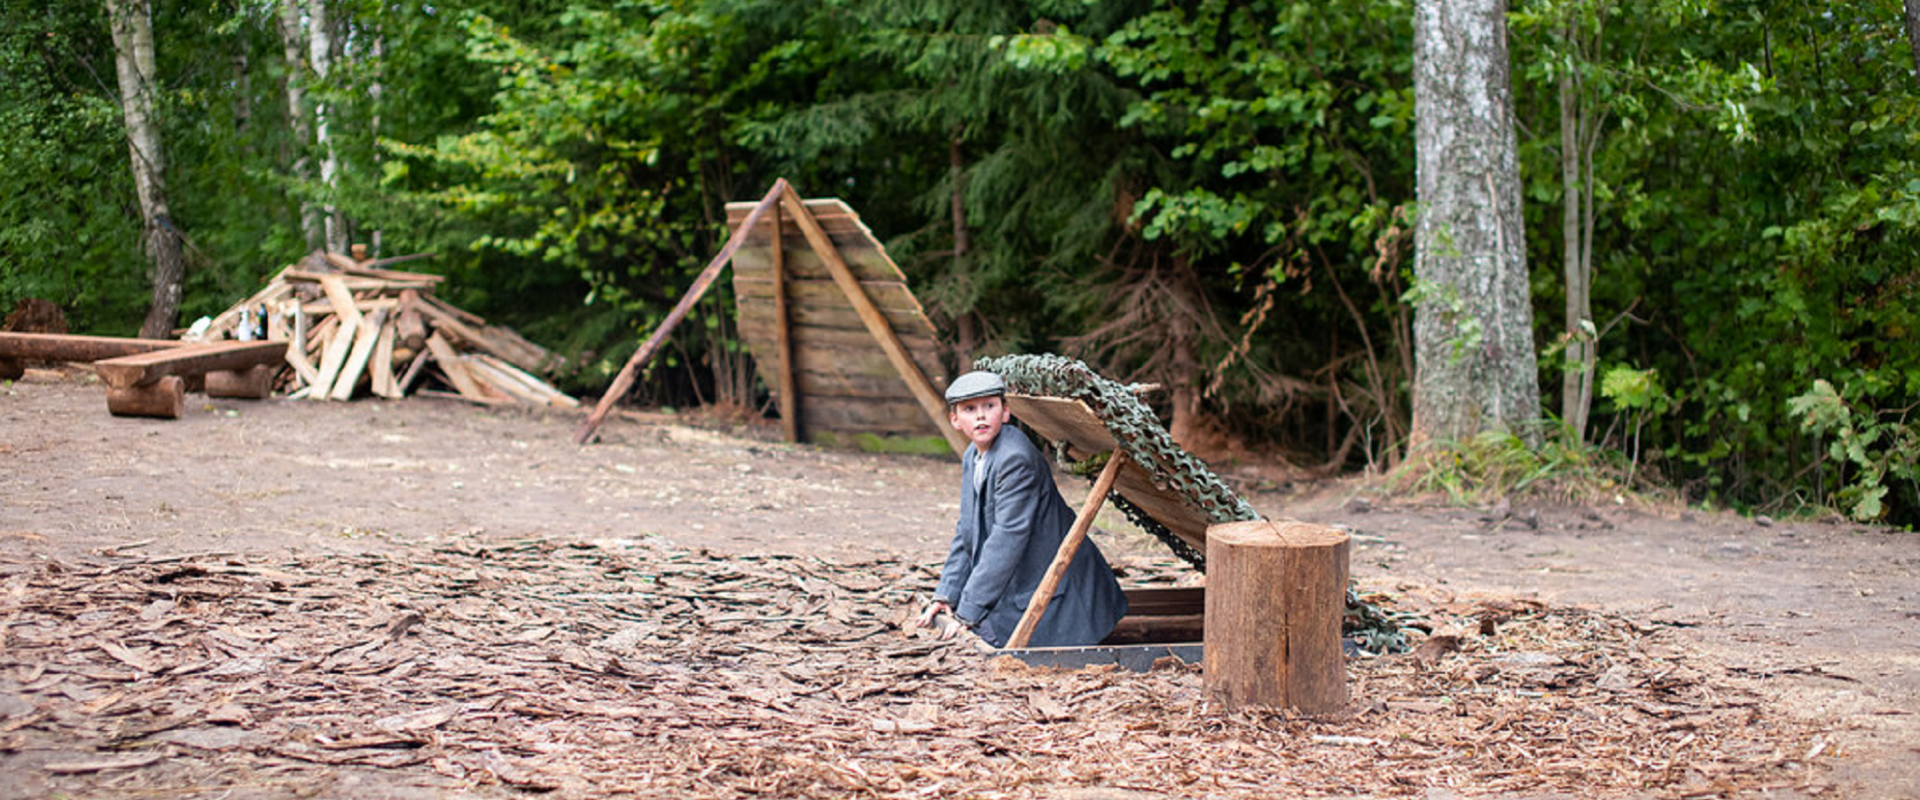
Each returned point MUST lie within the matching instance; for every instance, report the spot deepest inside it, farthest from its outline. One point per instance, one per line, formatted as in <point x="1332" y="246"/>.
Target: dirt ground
<point x="1793" y="640"/>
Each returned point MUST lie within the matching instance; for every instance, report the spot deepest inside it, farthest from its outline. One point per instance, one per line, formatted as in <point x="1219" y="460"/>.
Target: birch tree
<point x="1475" y="368"/>
<point x="133" y="58"/>
<point x="293" y="41"/>
<point x="321" y="49"/>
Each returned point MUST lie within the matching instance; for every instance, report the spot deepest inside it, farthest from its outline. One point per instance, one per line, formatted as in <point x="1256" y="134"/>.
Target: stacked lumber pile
<point x="353" y="324"/>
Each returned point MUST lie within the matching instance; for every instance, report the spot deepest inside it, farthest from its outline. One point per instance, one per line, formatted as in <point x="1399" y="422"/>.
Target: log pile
<point x="353" y="325"/>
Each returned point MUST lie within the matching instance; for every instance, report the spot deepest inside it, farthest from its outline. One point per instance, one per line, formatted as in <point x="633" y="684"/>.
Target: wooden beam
<point x="930" y="400"/>
<point x="193" y="359"/>
<point x="624" y="381"/>
<point x="68" y="347"/>
<point x="1062" y="559"/>
<point x="783" y="337"/>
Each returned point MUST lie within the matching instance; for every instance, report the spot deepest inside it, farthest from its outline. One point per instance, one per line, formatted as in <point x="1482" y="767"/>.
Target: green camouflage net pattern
<point x="1135" y="427"/>
<point x="1138" y="432"/>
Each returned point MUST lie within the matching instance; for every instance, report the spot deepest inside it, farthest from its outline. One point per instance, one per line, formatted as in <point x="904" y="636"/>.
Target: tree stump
<point x="253" y="383"/>
<point x="164" y="398"/>
<point x="1276" y="594"/>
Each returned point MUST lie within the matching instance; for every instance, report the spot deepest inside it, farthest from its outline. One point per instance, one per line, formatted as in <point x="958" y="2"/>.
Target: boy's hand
<point x="928" y="617"/>
<point x="939" y="615"/>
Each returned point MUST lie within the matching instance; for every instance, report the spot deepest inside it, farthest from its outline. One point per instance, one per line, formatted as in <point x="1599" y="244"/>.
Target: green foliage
<point x="1497" y="464"/>
<point x="1878" y="451"/>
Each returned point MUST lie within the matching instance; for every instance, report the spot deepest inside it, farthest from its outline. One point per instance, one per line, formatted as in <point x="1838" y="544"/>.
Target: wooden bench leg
<point x="1276" y="593"/>
<point x="253" y="383"/>
<point x="164" y="398"/>
<point x="12" y="369"/>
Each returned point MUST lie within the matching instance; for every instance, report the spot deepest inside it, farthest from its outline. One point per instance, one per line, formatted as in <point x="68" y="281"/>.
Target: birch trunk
<point x="1576" y="384"/>
<point x="320" y="52"/>
<point x="1913" y="33"/>
<point x="133" y="61"/>
<point x="293" y="41"/>
<point x="1475" y="367"/>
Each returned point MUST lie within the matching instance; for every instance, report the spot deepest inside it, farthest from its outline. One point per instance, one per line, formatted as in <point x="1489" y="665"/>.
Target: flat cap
<point x="978" y="383"/>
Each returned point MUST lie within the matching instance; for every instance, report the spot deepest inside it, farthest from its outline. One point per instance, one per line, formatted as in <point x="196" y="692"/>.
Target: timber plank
<point x="363" y="341"/>
<point x="186" y="360"/>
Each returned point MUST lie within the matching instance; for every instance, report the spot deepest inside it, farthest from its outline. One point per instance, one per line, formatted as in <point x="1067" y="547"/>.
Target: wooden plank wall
<point x="845" y="383"/>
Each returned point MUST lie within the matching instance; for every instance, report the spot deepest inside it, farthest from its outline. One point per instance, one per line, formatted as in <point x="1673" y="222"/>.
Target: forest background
<point x="1721" y="200"/>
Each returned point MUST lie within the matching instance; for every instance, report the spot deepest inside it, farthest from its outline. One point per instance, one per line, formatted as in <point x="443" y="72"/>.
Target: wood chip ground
<point x="578" y="670"/>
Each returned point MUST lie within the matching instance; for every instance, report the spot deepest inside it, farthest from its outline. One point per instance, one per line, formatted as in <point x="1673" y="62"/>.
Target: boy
<point x="1012" y="520"/>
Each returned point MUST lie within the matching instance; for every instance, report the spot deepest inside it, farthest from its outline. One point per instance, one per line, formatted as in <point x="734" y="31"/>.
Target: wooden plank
<point x="365" y="305"/>
<point x="345" y="305"/>
<point x="71" y="347"/>
<point x="363" y="342"/>
<point x="756" y="314"/>
<point x="886" y="296"/>
<point x="186" y="360"/>
<point x="455" y="369"/>
<point x="930" y="400"/>
<point x="544" y="392"/>
<point x="1071" y="421"/>
<point x="860" y="415"/>
<point x="297" y="349"/>
<point x="334" y="357"/>
<point x="356" y="284"/>
<point x="382" y="365"/>
<point x="1063" y="558"/>
<point x="864" y="257"/>
<point x="487" y="338"/>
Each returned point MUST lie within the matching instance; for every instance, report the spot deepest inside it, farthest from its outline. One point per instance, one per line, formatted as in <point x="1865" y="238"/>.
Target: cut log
<point x="1276" y="593"/>
<point x="252" y="383"/>
<point x="413" y="329"/>
<point x="187" y="360"/>
<point x="164" y="399"/>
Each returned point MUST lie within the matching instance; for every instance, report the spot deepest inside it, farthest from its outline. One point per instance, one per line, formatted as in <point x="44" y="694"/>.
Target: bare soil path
<point x="1801" y="631"/>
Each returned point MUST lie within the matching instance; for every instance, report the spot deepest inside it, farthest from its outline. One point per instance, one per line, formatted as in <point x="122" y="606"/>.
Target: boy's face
<point x="980" y="419"/>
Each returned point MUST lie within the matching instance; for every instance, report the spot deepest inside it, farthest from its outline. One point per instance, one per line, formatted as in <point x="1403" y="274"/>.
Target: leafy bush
<point x="1878" y="452"/>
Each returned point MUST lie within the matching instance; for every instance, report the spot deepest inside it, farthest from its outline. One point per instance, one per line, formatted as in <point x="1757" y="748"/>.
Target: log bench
<point x="148" y="377"/>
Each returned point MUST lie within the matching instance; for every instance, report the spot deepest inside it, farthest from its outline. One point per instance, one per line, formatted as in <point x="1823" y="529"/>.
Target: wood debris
<point x="354" y="326"/>
<point x="590" y="670"/>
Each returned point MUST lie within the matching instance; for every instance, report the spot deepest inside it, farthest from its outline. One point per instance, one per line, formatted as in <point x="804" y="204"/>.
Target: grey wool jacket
<point x="1008" y="532"/>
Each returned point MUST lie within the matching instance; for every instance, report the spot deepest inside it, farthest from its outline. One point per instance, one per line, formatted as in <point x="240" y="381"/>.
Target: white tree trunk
<point x="1475" y="367"/>
<point x="293" y="42"/>
<point x="1576" y="384"/>
<point x="320" y="50"/>
<point x="133" y="59"/>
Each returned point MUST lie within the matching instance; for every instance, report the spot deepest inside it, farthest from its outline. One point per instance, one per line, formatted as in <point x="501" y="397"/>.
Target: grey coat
<point x="1006" y="537"/>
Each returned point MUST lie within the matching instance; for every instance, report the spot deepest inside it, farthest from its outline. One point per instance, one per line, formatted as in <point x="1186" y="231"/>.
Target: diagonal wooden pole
<point x="1043" y="595"/>
<point x="624" y="381"/>
<point x="876" y="322"/>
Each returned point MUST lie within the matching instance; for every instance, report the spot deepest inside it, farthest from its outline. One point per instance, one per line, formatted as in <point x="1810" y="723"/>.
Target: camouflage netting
<point x="1137" y="430"/>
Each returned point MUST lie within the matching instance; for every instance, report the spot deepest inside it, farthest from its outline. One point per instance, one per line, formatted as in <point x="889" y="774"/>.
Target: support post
<point x="252" y="383"/>
<point x="876" y="322"/>
<point x="1063" y="558"/>
<point x="624" y="381"/>
<point x="783" y="335"/>
<point x="164" y="398"/>
<point x="1276" y="592"/>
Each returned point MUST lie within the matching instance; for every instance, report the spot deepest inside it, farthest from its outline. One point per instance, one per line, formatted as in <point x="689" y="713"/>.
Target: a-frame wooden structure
<point x="835" y="332"/>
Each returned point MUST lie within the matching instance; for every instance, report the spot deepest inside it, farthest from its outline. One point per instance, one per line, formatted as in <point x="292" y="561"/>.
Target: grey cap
<point x="975" y="384"/>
